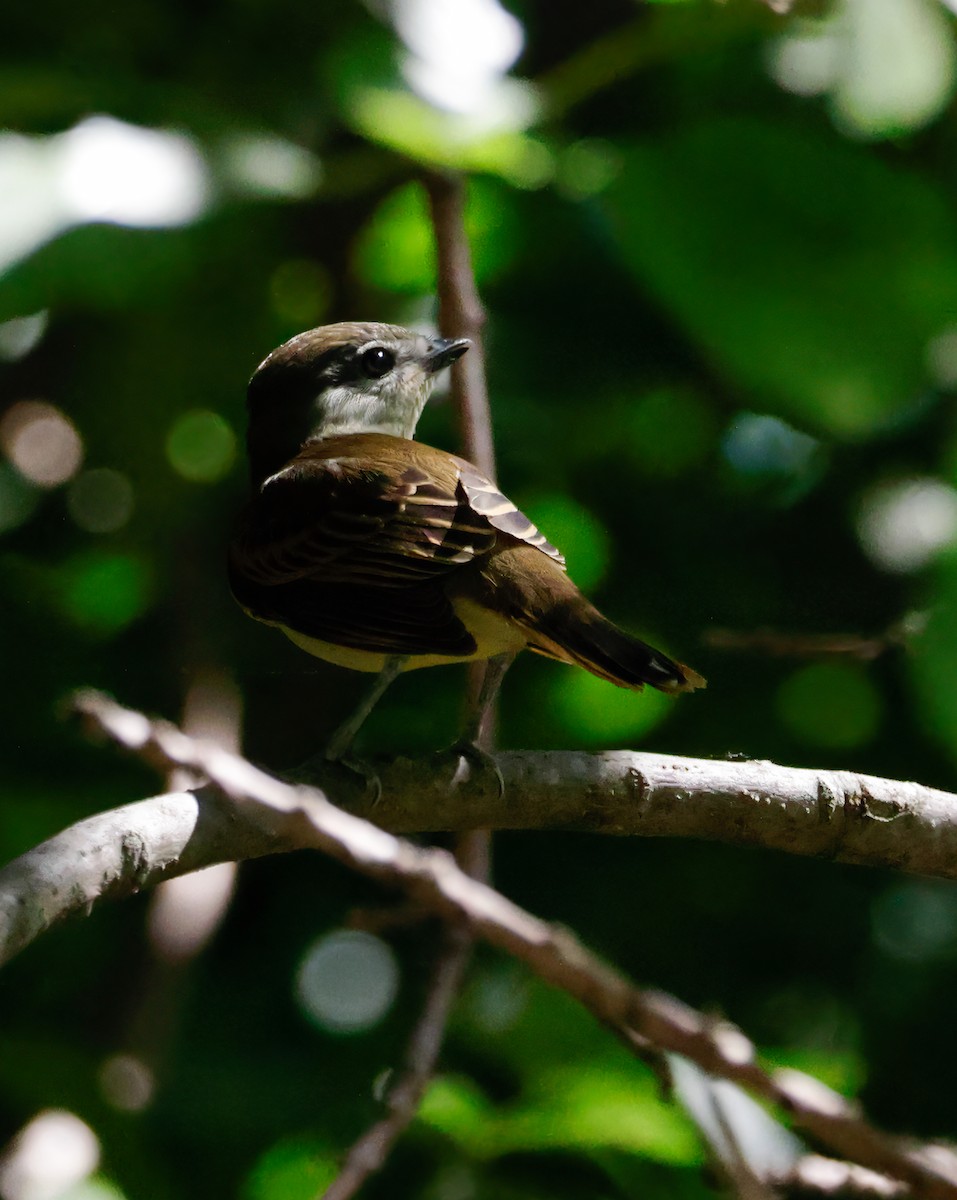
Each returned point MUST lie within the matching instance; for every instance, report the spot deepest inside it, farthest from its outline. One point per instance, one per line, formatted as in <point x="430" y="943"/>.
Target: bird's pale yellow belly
<point x="493" y="635"/>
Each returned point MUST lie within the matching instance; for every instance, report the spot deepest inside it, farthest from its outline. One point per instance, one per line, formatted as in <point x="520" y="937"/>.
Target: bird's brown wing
<point x="354" y="542"/>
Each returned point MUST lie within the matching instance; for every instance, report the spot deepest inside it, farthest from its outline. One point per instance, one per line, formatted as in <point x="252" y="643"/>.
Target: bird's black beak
<point x="443" y="352"/>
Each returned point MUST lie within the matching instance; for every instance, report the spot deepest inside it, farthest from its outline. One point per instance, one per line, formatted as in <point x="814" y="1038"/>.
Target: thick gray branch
<point x="118" y="853"/>
<point x="830" y="814"/>
<point x="827" y="814"/>
<point x="283" y="816"/>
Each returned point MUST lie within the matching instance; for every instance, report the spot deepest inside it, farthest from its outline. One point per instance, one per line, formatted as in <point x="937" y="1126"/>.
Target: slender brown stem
<point x="369" y="1153"/>
<point x="460" y="315"/>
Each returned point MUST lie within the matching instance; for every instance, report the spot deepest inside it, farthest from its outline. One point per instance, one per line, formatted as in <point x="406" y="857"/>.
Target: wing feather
<point x="353" y="543"/>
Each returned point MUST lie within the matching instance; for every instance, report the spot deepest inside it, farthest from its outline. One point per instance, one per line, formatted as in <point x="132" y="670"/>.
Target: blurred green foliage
<point x="718" y="248"/>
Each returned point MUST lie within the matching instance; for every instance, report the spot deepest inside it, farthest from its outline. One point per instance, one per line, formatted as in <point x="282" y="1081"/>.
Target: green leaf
<point x="811" y="273"/>
<point x="396" y="249"/>
<point x="584" y="1107"/>
<point x="402" y="122"/>
<point x="598" y="713"/>
<point x="293" y="1169"/>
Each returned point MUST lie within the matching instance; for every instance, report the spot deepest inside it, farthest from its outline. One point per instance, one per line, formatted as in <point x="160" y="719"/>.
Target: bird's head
<point x="353" y="377"/>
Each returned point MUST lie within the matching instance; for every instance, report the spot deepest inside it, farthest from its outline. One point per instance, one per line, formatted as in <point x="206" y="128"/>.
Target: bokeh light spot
<point x="670" y="431"/>
<point x="101" y="500"/>
<point x="578" y="533"/>
<point x="300" y="292"/>
<point x="759" y="445"/>
<point x="201" y="446"/>
<point x="50" y="1156"/>
<point x="112" y="171"/>
<point x="270" y="166"/>
<point x="127" y="1083"/>
<point x="20" y="335"/>
<point x="830" y="704"/>
<point x="105" y="592"/>
<point x="458" y="52"/>
<point x="347" y="981"/>
<point x="41" y="442"/>
<point x="806" y="62"/>
<point x="903" y="525"/>
<point x="598" y="713"/>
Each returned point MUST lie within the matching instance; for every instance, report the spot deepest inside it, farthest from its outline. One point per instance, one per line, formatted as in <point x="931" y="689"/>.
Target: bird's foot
<point x="330" y="773"/>
<point x="469" y="762"/>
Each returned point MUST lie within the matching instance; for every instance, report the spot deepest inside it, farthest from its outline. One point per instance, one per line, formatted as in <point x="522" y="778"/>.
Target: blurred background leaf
<point x="719" y="253"/>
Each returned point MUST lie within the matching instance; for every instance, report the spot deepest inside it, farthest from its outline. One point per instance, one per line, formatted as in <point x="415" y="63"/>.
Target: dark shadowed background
<point x="718" y="247"/>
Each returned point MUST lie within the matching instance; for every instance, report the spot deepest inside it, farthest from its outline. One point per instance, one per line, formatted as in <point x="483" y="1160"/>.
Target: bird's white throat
<point x="393" y="410"/>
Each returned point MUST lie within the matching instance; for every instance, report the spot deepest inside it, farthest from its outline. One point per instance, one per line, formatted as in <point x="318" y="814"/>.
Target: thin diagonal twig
<point x="369" y="1152"/>
<point x="302" y="817"/>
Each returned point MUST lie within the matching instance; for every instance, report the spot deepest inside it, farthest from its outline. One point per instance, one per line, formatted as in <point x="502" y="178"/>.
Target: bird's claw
<point x="322" y="770"/>
<point x="469" y="762"/>
<point x="367" y="773"/>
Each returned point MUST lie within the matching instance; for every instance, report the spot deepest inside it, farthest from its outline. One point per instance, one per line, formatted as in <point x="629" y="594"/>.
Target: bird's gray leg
<point x="495" y="670"/>
<point x="467" y="749"/>
<point x="343" y="737"/>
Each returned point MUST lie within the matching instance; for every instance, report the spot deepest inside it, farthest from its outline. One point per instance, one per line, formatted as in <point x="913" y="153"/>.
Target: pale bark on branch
<point x="839" y="815"/>
<point x="830" y="814"/>
<point x="264" y="813"/>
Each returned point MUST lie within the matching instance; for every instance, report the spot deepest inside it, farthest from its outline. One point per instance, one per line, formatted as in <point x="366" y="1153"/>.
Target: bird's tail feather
<point x="593" y="642"/>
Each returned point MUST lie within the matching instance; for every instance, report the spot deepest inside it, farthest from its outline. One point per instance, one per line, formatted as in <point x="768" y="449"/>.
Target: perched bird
<point x="378" y="553"/>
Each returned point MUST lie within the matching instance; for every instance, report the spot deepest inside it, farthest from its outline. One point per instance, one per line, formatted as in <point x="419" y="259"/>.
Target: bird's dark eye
<point x="376" y="361"/>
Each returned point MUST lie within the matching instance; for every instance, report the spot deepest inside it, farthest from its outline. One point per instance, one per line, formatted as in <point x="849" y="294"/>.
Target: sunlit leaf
<point x="405" y="123"/>
<point x="572" y="1109"/>
<point x="396" y="250"/>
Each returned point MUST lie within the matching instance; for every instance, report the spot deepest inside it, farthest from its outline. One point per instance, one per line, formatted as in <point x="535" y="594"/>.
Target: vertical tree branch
<point x="460" y="315"/>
